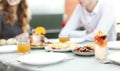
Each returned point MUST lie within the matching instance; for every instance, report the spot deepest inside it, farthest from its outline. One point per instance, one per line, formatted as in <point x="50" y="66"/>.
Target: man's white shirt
<point x="101" y="18"/>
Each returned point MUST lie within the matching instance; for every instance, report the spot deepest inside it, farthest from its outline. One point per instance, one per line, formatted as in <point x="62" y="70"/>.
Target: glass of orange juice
<point x="23" y="46"/>
<point x="64" y="38"/>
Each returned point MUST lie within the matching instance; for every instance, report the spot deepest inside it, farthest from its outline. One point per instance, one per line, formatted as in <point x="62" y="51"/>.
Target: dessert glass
<point x="100" y="47"/>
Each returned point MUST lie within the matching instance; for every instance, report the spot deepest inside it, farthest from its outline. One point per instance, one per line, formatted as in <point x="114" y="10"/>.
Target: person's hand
<point x="23" y="35"/>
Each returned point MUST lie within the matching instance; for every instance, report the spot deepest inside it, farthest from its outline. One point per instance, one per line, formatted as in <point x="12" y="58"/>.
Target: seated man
<point x="95" y="15"/>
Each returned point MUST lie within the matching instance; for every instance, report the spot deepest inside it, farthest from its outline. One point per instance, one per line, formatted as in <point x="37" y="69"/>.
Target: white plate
<point x="114" y="45"/>
<point x="52" y="40"/>
<point x="57" y="50"/>
<point x="40" y="47"/>
<point x="8" y="48"/>
<point x="77" y="40"/>
<point x="74" y="40"/>
<point x="42" y="58"/>
<point x="115" y="57"/>
<point x="83" y="53"/>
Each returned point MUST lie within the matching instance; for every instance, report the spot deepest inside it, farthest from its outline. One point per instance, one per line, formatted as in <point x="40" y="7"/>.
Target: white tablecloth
<point x="8" y="62"/>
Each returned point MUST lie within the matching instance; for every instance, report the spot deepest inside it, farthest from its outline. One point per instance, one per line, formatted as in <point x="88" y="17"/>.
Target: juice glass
<point x="64" y="38"/>
<point x="23" y="46"/>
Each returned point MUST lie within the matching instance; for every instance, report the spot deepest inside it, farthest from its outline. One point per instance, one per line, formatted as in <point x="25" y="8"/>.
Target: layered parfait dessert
<point x="100" y="40"/>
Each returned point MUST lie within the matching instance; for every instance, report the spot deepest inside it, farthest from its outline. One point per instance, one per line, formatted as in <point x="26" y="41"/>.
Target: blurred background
<point x="53" y="14"/>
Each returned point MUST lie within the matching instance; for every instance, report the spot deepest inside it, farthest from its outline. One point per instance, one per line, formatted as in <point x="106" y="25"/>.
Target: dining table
<point x="9" y="62"/>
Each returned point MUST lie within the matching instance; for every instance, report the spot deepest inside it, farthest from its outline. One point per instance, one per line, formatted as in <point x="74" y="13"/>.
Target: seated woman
<point x="94" y="15"/>
<point x="14" y="19"/>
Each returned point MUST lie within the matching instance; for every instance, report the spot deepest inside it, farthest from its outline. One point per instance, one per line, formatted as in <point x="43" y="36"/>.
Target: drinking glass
<point x="100" y="48"/>
<point x="64" y="38"/>
<point x="23" y="46"/>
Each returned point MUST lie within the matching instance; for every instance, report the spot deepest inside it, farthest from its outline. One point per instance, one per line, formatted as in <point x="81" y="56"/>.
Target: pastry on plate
<point x="11" y="41"/>
<point x="2" y="42"/>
